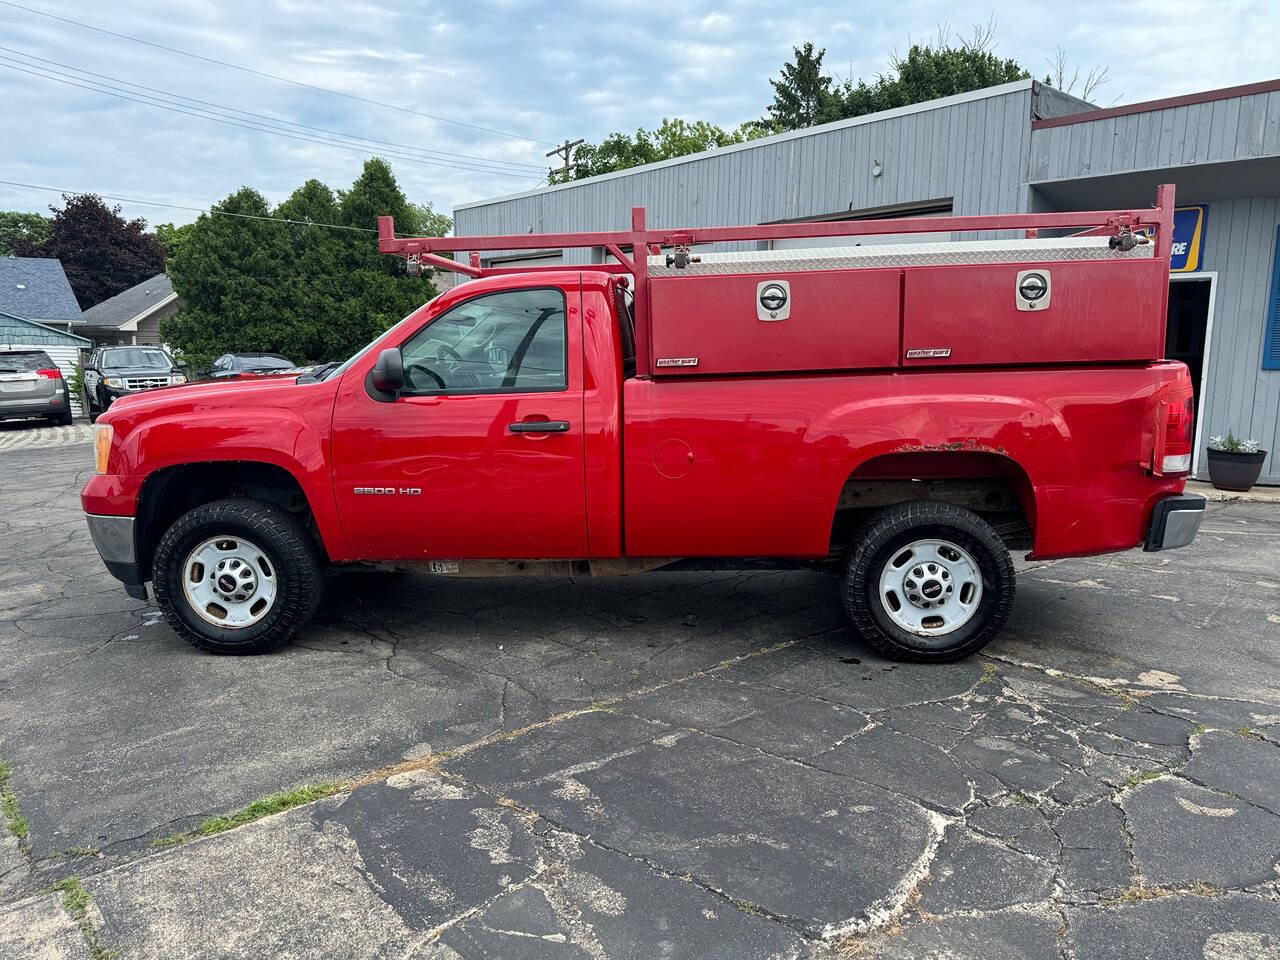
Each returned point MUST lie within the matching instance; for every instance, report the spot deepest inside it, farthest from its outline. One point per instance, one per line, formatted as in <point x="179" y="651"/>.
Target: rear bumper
<point x="113" y="536"/>
<point x="32" y="406"/>
<point x="1175" y="521"/>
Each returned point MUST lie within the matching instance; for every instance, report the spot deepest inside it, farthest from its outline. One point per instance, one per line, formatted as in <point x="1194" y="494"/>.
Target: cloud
<point x="540" y="71"/>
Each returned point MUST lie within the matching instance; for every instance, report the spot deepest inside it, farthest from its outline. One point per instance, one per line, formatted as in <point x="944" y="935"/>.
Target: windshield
<point x="346" y="364"/>
<point x="136" y="358"/>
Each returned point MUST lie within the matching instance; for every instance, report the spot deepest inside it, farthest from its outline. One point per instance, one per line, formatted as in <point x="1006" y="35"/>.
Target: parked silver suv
<point x="31" y="385"/>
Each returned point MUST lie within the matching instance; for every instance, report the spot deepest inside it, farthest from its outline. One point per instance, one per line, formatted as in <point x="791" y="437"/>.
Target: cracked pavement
<point x="684" y="765"/>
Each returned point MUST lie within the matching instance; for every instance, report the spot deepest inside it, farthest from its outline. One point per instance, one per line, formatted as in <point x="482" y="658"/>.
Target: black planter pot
<point x="1235" y="471"/>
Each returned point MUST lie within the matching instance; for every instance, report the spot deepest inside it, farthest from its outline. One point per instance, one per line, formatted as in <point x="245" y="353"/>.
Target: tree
<point x="942" y="68"/>
<point x="427" y="223"/>
<point x="314" y="290"/>
<point x="676" y="137"/>
<point x="1063" y="76"/>
<point x="171" y="237"/>
<point x="803" y="94"/>
<point x="101" y="252"/>
<point x="16" y="225"/>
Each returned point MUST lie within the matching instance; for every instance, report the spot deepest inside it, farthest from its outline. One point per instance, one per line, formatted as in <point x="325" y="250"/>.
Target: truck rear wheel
<point x="928" y="581"/>
<point x="236" y="576"/>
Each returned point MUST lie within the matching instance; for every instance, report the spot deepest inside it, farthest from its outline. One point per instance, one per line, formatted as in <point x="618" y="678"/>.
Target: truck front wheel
<point x="236" y="576"/>
<point x="928" y="581"/>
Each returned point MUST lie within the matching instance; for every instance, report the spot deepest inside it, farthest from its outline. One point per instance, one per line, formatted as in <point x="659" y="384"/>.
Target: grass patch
<point x="83" y="851"/>
<point x="1249" y="733"/>
<point x="1199" y="729"/>
<point x="1145" y="777"/>
<point x="276" y="803"/>
<point x="9" y="808"/>
<point x="76" y="899"/>
<point x="1140" y="890"/>
<point x="989" y="673"/>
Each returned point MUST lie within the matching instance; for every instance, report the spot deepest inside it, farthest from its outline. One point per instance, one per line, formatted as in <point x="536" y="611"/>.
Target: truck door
<point x="482" y="454"/>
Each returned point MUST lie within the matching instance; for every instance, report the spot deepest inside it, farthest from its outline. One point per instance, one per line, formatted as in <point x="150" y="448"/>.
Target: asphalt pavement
<point x="674" y="765"/>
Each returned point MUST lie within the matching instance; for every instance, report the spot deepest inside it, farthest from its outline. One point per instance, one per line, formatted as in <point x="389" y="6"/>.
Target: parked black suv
<point x="115" y="371"/>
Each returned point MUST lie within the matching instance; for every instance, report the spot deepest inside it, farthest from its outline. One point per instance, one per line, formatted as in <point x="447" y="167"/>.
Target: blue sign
<point x="1188" y="238"/>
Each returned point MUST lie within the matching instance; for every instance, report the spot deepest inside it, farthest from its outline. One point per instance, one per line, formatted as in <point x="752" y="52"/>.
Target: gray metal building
<point x="1020" y="147"/>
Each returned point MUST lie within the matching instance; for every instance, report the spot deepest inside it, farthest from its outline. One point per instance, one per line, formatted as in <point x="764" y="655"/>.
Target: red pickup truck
<point x="902" y="414"/>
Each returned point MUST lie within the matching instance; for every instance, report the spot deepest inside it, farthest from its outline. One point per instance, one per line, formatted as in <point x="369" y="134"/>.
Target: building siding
<point x="1240" y="244"/>
<point x="1236" y="128"/>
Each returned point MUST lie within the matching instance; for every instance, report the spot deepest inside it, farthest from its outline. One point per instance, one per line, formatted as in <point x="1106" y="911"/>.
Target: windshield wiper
<point x="316" y="374"/>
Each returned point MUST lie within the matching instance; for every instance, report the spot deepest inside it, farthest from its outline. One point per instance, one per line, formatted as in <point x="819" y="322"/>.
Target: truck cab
<point x="869" y="416"/>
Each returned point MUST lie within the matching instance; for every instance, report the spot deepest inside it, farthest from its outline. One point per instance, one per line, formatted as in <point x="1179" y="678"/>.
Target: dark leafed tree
<point x="314" y="290"/>
<point x="801" y="96"/>
<point x="16" y="225"/>
<point x="101" y="252"/>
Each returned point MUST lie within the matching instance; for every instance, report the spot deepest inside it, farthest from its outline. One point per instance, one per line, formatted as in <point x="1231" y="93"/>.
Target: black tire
<point x="289" y="550"/>
<point x="883" y="538"/>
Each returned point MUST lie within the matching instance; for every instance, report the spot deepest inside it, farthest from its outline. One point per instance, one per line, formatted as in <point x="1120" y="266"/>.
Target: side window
<point x="512" y="342"/>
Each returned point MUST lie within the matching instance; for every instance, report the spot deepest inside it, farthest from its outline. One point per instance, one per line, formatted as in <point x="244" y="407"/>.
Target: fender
<point x="276" y="422"/>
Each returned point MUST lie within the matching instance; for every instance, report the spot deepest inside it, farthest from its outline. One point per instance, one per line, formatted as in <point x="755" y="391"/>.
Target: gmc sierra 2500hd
<point x="905" y="413"/>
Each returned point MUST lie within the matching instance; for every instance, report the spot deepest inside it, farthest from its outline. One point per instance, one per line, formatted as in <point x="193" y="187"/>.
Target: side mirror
<point x="387" y="376"/>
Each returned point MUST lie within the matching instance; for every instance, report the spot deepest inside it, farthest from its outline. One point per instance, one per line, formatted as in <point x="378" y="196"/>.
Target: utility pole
<point x="565" y="150"/>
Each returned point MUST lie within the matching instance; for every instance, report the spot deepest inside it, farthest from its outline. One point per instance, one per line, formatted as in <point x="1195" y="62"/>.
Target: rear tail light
<point x="1175" y="423"/>
<point x="53" y="373"/>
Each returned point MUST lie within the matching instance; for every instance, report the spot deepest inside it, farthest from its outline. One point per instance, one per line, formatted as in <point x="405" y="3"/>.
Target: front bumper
<point x="1175" y="521"/>
<point x="113" y="536"/>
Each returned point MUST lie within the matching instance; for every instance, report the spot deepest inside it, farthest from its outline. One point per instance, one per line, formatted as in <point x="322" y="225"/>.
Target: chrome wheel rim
<point x="930" y="587"/>
<point x="229" y="582"/>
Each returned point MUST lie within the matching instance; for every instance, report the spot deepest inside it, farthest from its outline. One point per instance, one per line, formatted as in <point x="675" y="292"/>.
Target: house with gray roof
<point x="36" y="289"/>
<point x="134" y="315"/>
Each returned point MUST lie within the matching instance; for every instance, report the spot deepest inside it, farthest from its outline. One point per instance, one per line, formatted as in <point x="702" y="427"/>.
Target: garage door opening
<point x="1187" y="329"/>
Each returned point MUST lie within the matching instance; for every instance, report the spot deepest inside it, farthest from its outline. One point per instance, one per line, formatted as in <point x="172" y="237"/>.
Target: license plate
<point x="20" y="387"/>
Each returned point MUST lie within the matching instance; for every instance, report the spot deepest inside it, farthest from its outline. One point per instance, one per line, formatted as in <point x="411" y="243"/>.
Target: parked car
<point x="904" y="416"/>
<point x="237" y="364"/>
<point x="31" y="385"/>
<point x="114" y="372"/>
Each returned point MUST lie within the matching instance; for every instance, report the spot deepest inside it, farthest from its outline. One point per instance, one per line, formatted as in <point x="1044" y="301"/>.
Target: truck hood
<point x="205" y="394"/>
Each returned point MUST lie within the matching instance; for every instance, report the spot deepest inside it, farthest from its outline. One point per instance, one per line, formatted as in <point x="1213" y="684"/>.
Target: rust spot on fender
<point x="952" y="446"/>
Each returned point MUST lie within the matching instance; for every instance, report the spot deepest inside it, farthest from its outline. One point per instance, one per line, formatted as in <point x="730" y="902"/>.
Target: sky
<point x="470" y="96"/>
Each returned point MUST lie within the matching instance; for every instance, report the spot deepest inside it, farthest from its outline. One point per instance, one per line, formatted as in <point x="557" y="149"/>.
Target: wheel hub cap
<point x="229" y="582"/>
<point x="930" y="587"/>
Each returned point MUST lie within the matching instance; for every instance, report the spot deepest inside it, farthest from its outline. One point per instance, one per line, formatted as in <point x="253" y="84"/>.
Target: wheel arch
<point x="993" y="485"/>
<point x="170" y="492"/>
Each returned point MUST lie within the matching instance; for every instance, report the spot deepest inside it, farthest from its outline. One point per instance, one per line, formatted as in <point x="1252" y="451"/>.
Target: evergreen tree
<point x="310" y="290"/>
<point x="802" y="95"/>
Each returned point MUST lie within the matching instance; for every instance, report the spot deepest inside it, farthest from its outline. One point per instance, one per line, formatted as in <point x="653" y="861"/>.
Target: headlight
<point x="115" y="382"/>
<point x="176" y="379"/>
<point x="102" y="434"/>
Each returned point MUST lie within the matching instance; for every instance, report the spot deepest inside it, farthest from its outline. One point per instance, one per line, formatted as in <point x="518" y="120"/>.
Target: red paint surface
<point x="840" y="320"/>
<point x="1099" y="310"/>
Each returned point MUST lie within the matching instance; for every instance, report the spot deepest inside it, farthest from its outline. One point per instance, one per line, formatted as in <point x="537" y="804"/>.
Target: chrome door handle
<point x="539" y="426"/>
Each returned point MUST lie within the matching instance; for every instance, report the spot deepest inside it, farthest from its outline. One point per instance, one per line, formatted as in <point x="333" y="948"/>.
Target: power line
<point x="272" y="76"/>
<point x="260" y="116"/>
<point x="177" y="206"/>
<point x="47" y="74"/>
